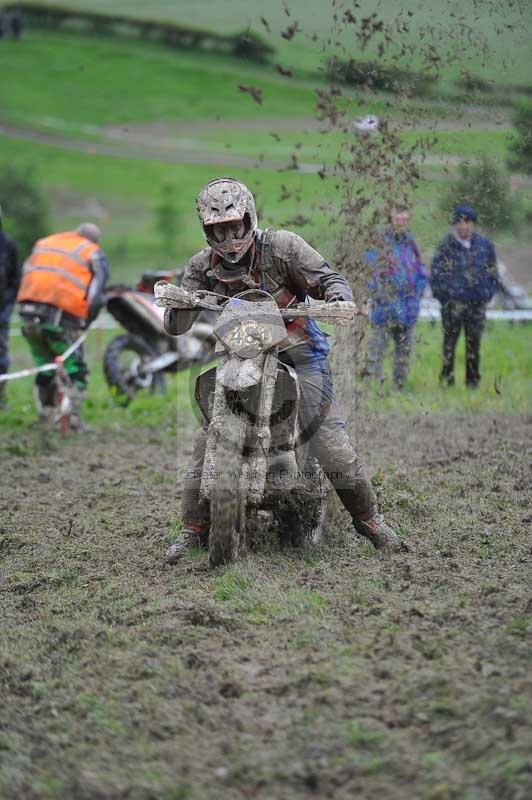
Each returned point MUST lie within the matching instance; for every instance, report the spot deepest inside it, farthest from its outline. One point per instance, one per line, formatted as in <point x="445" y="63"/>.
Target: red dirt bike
<point x="138" y="359"/>
<point x="255" y="460"/>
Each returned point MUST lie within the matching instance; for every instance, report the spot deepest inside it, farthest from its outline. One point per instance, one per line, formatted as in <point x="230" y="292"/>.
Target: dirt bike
<point x="137" y="360"/>
<point x="254" y="459"/>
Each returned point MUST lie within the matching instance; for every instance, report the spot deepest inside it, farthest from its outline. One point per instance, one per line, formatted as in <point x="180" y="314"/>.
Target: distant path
<point x="136" y="150"/>
<point x="476" y="120"/>
<point x="156" y="143"/>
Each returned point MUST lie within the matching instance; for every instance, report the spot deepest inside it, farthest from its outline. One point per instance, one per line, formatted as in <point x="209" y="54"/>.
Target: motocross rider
<point x="241" y="256"/>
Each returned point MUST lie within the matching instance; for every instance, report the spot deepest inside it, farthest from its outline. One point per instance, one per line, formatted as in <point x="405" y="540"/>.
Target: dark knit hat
<point x="464" y="212"/>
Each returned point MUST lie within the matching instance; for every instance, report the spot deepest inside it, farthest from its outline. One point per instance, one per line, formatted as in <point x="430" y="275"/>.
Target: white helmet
<point x="366" y="126"/>
<point x="227" y="200"/>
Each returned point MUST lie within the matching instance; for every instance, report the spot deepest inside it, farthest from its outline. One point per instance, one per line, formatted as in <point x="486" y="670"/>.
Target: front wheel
<point x="227" y="539"/>
<point x="123" y="362"/>
<point x="300" y="513"/>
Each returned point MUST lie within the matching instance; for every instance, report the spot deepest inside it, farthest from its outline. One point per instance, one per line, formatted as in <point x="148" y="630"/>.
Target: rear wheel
<point x="227" y="539"/>
<point x="123" y="362"/>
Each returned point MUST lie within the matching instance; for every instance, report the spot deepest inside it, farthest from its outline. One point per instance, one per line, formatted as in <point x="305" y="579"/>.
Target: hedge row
<point x="245" y="44"/>
<point x="369" y="74"/>
<point x="472" y="84"/>
<point x="374" y="76"/>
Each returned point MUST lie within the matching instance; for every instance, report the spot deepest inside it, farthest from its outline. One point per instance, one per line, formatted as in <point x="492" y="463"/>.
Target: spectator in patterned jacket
<point x="397" y="284"/>
<point x="464" y="279"/>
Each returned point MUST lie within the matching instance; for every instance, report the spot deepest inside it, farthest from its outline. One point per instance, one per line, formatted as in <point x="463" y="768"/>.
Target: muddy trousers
<point x="471" y="317"/>
<point x="4" y="343"/>
<point x="46" y="342"/>
<point x="324" y="430"/>
<point x="5" y="313"/>
<point x="402" y="337"/>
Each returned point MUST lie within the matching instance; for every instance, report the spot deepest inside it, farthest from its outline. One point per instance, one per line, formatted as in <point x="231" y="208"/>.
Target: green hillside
<point x="83" y="96"/>
<point x="485" y="38"/>
<point x="126" y="191"/>
<point x="97" y="81"/>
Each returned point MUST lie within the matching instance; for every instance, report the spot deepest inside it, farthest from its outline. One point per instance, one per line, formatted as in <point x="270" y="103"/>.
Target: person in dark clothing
<point x="15" y="23"/>
<point x="463" y="279"/>
<point x="9" y="283"/>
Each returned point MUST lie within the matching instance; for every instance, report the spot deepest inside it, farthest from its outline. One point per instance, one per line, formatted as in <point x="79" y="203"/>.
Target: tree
<point x="485" y="187"/>
<point x="521" y="145"/>
<point x="24" y="205"/>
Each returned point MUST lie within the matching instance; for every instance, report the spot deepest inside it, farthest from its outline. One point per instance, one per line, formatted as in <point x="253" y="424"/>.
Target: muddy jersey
<point x="284" y="265"/>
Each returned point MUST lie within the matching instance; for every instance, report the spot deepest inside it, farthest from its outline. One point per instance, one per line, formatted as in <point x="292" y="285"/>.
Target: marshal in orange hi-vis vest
<point x="58" y="273"/>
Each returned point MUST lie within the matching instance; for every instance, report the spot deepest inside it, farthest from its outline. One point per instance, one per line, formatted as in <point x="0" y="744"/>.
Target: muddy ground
<point x="329" y="672"/>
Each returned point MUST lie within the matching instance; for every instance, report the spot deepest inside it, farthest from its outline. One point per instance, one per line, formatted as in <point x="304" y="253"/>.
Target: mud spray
<point x="375" y="169"/>
<point x="376" y="166"/>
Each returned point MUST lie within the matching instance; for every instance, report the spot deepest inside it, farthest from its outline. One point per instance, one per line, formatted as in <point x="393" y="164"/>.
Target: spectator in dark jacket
<point x="16" y="24"/>
<point x="397" y="283"/>
<point x="464" y="279"/>
<point x="9" y="283"/>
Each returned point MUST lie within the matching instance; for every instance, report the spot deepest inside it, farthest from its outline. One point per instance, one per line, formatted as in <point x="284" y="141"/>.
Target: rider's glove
<point x="336" y="294"/>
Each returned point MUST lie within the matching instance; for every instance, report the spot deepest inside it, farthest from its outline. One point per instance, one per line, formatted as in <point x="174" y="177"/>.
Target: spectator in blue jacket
<point x="464" y="279"/>
<point x="397" y="284"/>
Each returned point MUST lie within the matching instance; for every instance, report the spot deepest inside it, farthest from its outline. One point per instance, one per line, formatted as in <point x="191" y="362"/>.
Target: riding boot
<point x="381" y="536"/>
<point x="45" y="409"/>
<point x="76" y="400"/>
<point x="192" y="537"/>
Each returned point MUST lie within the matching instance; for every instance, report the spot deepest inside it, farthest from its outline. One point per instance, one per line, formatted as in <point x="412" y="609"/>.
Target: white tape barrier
<point x="514" y="315"/>
<point x="428" y="312"/>
<point x="26" y="373"/>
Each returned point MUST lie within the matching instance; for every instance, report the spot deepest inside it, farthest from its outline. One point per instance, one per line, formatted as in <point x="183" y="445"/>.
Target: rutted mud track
<point x="326" y="673"/>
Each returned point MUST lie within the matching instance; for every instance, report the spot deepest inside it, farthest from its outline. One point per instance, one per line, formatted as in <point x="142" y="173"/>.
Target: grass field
<point x="324" y="672"/>
<point x="89" y="84"/>
<point x="506" y="386"/>
<point x="95" y="81"/>
<point x="327" y="671"/>
<point x="126" y="191"/>
<point x="495" y="36"/>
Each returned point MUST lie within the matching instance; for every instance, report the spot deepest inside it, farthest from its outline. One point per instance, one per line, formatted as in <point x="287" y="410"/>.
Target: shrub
<point x="472" y="84"/>
<point x="375" y="76"/>
<point x="251" y="46"/>
<point x="246" y="44"/>
<point x="484" y="187"/>
<point x="521" y="146"/>
<point x="24" y="205"/>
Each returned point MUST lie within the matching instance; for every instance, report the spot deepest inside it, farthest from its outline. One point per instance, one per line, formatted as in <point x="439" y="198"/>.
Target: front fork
<point x="257" y="465"/>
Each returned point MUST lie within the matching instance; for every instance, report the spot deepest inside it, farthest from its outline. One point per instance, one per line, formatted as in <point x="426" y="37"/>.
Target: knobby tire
<point x="227" y="539"/>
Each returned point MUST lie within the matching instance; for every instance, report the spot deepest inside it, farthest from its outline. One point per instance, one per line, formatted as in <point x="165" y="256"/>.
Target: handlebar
<point x="167" y="295"/>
